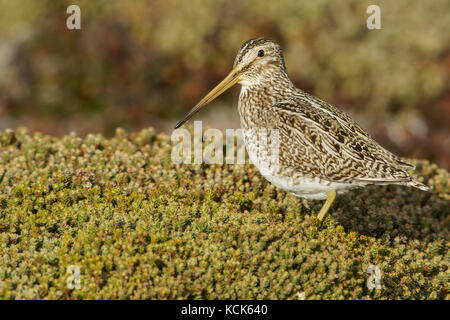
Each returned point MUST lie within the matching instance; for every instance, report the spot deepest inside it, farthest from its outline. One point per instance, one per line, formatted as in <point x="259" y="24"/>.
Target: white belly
<point x="294" y="182"/>
<point x="310" y="188"/>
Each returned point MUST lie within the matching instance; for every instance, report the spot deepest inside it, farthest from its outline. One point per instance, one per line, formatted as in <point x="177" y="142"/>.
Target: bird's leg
<point x="326" y="206"/>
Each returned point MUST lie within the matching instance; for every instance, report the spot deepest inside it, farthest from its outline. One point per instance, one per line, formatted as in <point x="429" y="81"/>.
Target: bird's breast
<point x="253" y="101"/>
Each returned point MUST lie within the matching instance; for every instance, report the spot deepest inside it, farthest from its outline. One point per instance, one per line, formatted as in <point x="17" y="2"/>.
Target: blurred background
<point x="136" y="64"/>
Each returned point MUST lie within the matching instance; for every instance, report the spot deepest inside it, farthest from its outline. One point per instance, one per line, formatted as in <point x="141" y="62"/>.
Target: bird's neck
<point x="270" y="89"/>
<point x="257" y="96"/>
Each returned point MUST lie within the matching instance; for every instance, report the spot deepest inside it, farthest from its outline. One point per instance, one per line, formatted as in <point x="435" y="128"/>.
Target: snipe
<point x="320" y="151"/>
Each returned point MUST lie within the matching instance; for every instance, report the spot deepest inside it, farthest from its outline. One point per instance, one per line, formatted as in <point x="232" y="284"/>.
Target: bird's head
<point x="258" y="61"/>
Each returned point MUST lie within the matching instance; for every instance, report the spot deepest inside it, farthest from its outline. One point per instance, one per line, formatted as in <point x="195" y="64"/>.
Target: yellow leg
<point x="323" y="212"/>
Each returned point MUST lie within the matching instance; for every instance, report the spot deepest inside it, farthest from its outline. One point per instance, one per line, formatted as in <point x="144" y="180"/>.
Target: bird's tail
<point x="417" y="184"/>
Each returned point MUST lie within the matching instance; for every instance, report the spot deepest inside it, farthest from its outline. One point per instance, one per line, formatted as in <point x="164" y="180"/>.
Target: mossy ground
<point x="138" y="226"/>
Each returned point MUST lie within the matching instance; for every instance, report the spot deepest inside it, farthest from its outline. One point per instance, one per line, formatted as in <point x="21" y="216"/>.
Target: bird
<point x="298" y="142"/>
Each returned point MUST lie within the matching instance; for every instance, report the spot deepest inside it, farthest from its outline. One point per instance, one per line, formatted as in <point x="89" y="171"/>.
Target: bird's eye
<point x="261" y="53"/>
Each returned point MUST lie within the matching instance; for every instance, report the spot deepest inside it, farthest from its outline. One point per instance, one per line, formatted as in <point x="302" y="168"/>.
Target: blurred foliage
<point x="141" y="63"/>
<point x="140" y="227"/>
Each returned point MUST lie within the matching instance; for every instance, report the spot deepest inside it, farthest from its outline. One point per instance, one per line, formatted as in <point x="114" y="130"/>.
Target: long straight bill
<point x="231" y="79"/>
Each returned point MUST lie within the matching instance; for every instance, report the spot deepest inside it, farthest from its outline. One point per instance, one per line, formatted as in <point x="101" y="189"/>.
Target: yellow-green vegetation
<point x="138" y="226"/>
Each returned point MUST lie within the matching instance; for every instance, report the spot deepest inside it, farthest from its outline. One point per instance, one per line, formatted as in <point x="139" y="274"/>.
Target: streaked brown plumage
<point x="320" y="150"/>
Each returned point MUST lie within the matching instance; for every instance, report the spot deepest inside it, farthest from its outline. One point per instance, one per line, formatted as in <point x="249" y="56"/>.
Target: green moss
<point x="139" y="227"/>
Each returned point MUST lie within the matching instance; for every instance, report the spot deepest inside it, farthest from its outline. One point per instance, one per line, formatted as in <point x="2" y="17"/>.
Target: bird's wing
<point x="324" y="142"/>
